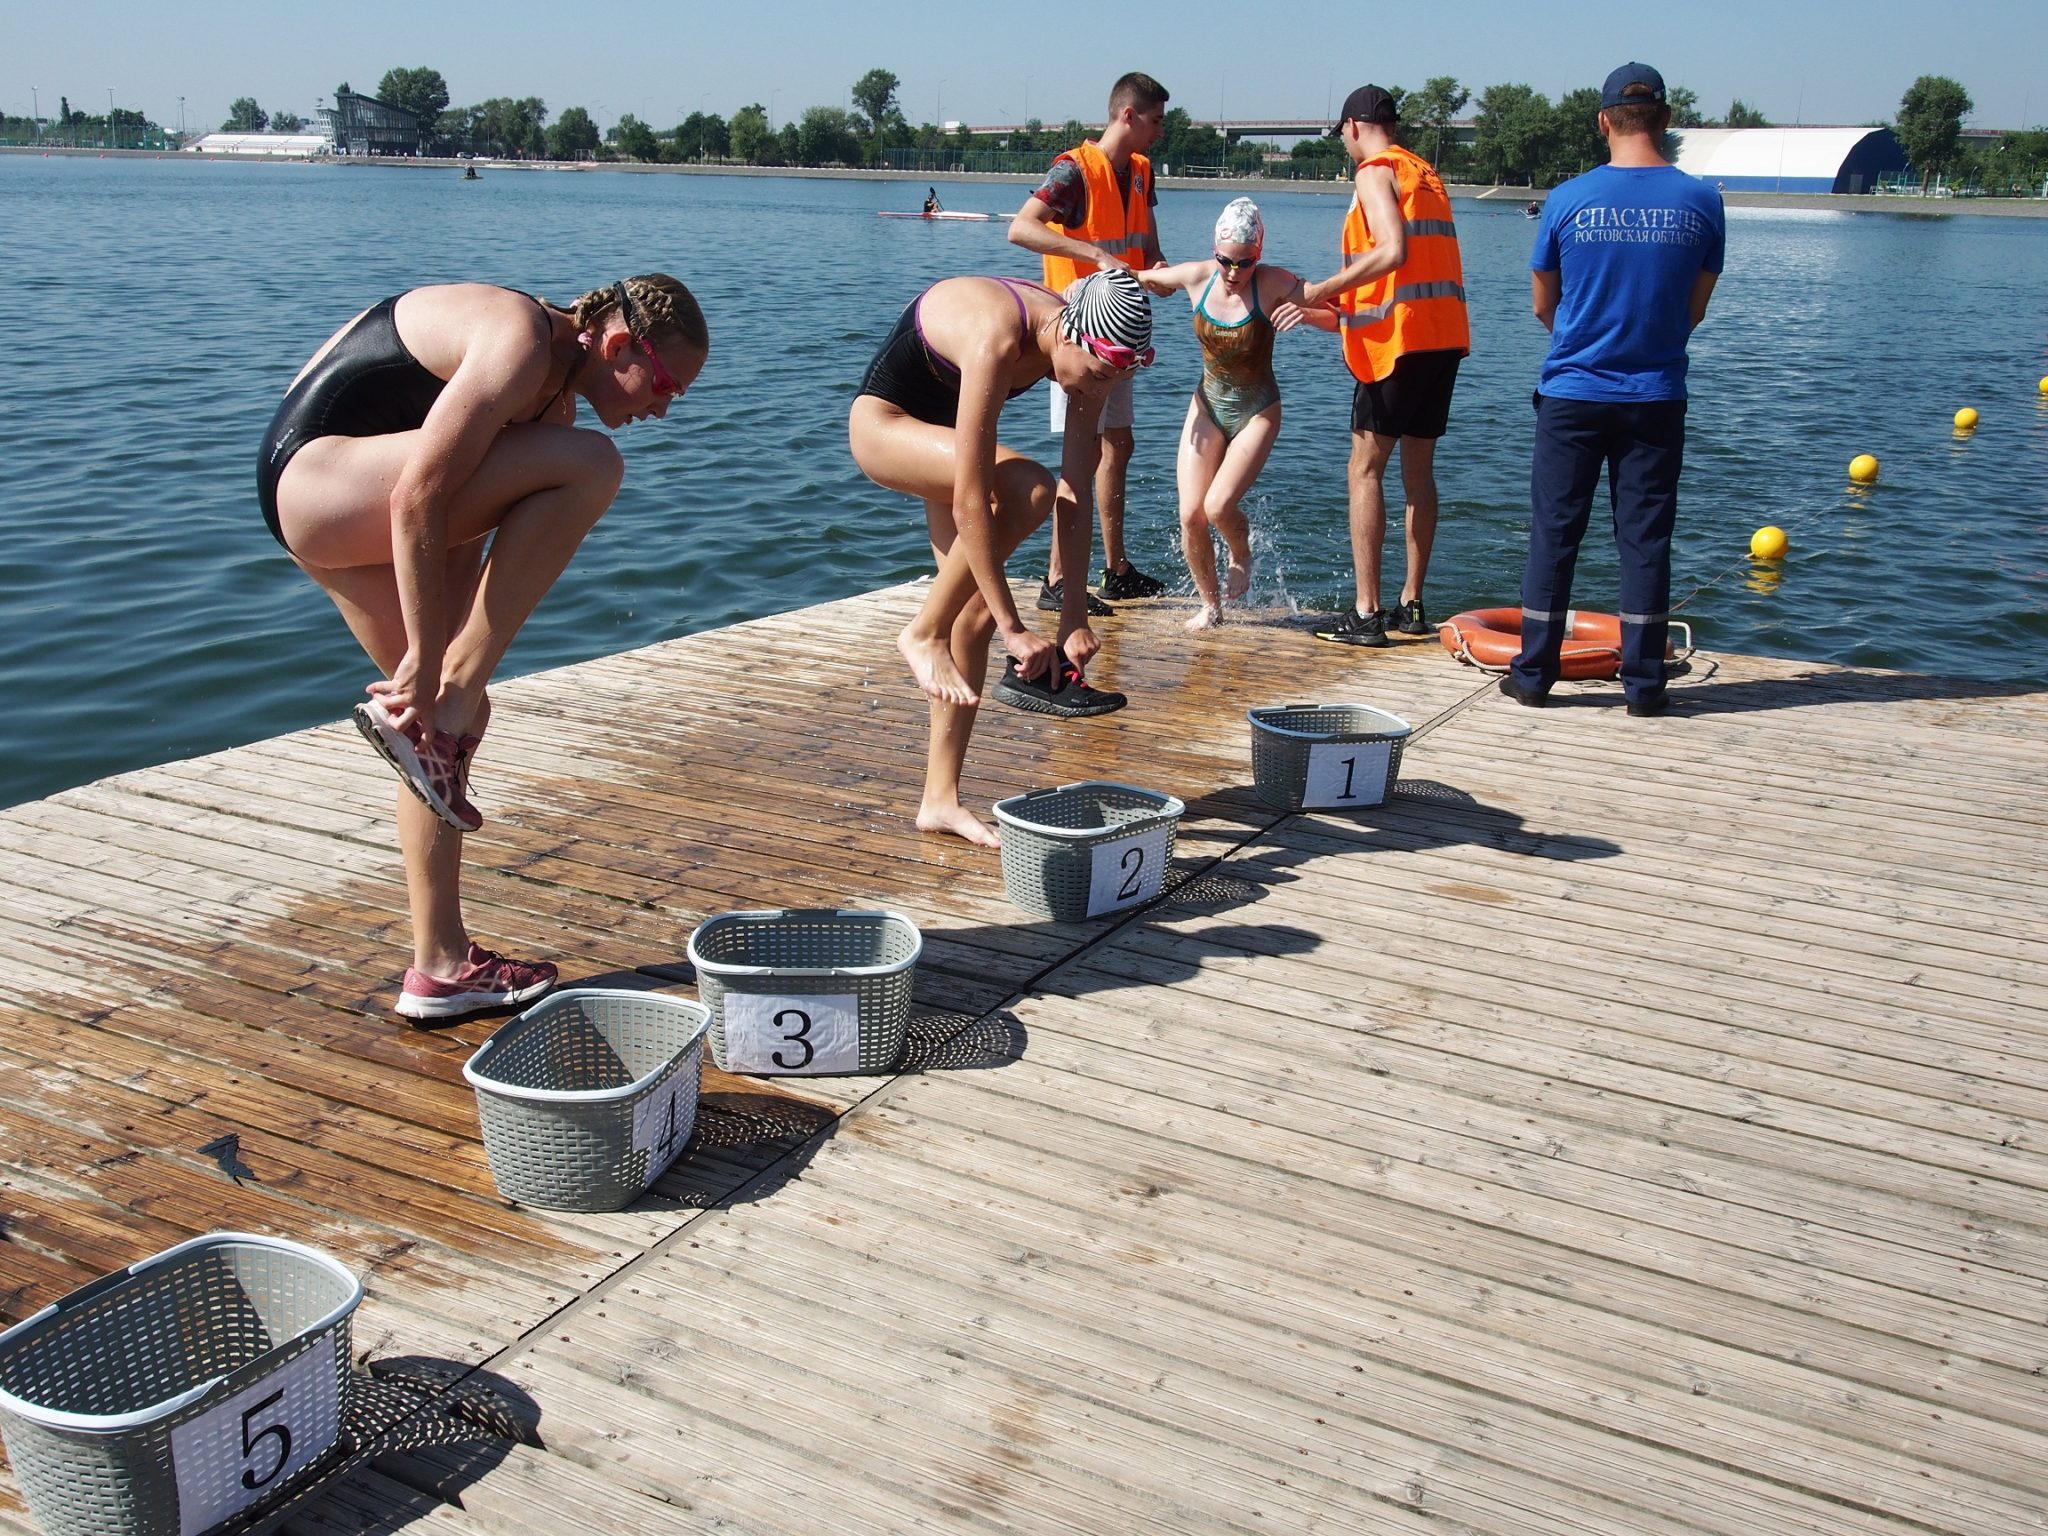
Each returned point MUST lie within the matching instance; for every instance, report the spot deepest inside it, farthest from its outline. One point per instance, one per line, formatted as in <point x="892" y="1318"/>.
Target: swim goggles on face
<point x="1123" y="359"/>
<point x="665" y="383"/>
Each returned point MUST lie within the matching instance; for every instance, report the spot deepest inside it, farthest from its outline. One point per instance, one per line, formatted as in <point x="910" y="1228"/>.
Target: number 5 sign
<point x="238" y="1450"/>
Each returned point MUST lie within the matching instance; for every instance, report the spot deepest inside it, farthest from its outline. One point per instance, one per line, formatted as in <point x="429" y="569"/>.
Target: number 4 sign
<point x="238" y="1450"/>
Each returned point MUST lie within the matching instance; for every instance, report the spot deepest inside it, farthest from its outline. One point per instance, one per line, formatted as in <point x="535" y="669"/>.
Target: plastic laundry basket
<point x="588" y="1095"/>
<point x="1325" y="756"/>
<point x="806" y="991"/>
<point x="181" y="1391"/>
<point x="1087" y="849"/>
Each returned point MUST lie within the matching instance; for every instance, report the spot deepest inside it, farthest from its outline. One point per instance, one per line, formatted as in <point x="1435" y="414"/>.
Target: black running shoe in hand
<point x="1070" y="696"/>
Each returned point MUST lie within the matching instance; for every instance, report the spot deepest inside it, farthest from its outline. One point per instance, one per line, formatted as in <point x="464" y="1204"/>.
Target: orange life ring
<point x="1490" y="637"/>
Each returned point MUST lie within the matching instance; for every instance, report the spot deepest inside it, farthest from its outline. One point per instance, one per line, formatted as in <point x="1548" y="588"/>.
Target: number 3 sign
<point x="238" y="1450"/>
<point x="771" y="1036"/>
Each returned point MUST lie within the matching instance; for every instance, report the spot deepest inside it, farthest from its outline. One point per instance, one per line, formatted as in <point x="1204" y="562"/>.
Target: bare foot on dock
<point x="931" y="663"/>
<point x="1207" y="616"/>
<point x="959" y="821"/>
<point x="1237" y="580"/>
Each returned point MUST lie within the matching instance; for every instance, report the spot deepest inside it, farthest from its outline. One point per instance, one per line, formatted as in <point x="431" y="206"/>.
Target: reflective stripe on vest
<point x="1421" y="306"/>
<point x="1109" y="223"/>
<point x="1407" y="293"/>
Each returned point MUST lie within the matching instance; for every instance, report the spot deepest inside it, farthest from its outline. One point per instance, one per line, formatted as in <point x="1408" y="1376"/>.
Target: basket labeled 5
<point x="1086" y="849"/>
<point x="588" y="1096"/>
<point x="797" y="991"/>
<point x="1309" y="757"/>
<point x="181" y="1391"/>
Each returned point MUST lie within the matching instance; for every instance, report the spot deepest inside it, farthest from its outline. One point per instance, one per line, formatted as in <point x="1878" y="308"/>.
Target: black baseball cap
<point x="1369" y="104"/>
<point x="1615" y="93"/>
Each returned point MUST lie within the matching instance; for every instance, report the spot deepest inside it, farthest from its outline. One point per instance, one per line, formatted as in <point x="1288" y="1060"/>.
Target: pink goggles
<point x="1123" y="359"/>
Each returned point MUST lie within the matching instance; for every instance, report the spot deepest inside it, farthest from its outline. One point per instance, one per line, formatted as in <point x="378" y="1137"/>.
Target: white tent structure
<point x="1790" y="159"/>
<point x="290" y="146"/>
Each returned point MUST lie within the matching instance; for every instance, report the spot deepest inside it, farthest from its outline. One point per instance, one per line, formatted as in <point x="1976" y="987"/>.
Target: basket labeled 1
<point x="588" y="1096"/>
<point x="1315" y="757"/>
<point x="801" y="992"/>
<point x="181" y="1391"/>
<point x="1088" y="849"/>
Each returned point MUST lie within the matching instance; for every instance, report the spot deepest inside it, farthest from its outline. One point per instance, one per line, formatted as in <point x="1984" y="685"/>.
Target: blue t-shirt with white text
<point x="1629" y="244"/>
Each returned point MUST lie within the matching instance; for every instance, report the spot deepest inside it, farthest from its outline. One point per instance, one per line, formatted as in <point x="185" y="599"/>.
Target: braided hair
<point x="667" y="308"/>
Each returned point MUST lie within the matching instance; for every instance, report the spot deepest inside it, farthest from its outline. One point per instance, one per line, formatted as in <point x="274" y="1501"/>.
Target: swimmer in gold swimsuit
<point x="1234" y="417"/>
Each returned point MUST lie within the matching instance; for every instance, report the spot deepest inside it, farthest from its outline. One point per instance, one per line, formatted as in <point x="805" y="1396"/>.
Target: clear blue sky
<point x="1816" y="61"/>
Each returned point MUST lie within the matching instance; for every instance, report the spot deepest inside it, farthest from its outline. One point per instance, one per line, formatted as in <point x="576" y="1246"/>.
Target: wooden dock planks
<point x="1633" y="1126"/>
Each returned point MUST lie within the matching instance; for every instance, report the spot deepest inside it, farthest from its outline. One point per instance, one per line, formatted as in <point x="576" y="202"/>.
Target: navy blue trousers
<point x="1642" y="446"/>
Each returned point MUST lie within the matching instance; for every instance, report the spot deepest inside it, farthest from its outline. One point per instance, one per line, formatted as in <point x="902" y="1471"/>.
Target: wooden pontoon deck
<point x="1635" y="1126"/>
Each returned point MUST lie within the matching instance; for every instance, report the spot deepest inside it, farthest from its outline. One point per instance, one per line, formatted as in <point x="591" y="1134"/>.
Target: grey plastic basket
<point x="1285" y="735"/>
<point x="1050" y="837"/>
<point x="588" y="1095"/>
<point x="802" y="953"/>
<point x="93" y="1387"/>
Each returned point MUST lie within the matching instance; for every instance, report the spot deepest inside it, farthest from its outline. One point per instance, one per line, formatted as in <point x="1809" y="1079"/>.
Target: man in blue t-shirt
<point x="1626" y="258"/>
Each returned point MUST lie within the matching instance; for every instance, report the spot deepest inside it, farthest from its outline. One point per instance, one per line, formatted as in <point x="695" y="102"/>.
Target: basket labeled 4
<point x="1087" y="849"/>
<point x="588" y="1096"/>
<point x="181" y="1391"/>
<point x="797" y="991"/>
<point x="1311" y="757"/>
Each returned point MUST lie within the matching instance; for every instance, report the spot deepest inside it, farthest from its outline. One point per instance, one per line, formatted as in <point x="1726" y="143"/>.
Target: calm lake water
<point x="162" y="308"/>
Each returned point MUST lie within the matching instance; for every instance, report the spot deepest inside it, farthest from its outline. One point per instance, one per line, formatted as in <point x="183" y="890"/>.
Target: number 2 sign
<point x="238" y="1450"/>
<point x="1127" y="870"/>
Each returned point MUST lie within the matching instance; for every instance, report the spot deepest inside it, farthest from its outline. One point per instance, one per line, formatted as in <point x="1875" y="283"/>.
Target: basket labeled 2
<point x="588" y="1096"/>
<point x="806" y="991"/>
<point x="1314" y="757"/>
<point x="1084" y="850"/>
<point x="181" y="1391"/>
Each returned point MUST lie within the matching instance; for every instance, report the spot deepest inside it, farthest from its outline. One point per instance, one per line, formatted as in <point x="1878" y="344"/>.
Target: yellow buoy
<point x="2044" y="386"/>
<point x="1768" y="543"/>
<point x="1966" y="418"/>
<point x="1863" y="468"/>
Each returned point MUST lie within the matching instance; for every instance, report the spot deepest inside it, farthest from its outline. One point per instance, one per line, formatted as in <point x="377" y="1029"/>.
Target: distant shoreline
<point x="1907" y="207"/>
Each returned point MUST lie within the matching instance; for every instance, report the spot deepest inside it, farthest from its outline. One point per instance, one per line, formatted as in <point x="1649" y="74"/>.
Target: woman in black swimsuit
<point x="924" y="423"/>
<point x="424" y="470"/>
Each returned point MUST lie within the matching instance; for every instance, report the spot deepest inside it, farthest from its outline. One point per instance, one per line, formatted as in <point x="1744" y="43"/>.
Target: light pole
<point x="111" y="143"/>
<point x="37" y="107"/>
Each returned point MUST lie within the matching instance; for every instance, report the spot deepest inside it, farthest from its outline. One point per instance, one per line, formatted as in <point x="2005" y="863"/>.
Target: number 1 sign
<point x="1346" y="774"/>
<point x="238" y="1450"/>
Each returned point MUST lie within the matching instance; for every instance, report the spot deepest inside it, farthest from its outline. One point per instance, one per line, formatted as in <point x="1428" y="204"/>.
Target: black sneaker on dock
<point x="1052" y="597"/>
<point x="1130" y="582"/>
<point x="1356" y="628"/>
<point x="1408" y="617"/>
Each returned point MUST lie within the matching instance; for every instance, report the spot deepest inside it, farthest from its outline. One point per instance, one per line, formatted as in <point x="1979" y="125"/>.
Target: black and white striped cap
<point x="1110" y="306"/>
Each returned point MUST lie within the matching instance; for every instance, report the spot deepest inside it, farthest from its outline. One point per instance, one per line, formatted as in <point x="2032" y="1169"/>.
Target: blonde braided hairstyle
<point x="667" y="308"/>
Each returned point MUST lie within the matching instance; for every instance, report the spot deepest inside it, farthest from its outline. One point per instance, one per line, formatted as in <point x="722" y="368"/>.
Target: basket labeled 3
<point x="806" y="991"/>
<point x="1310" y="757"/>
<point x="181" y="1391"/>
<point x="588" y="1095"/>
<point x="1086" y="849"/>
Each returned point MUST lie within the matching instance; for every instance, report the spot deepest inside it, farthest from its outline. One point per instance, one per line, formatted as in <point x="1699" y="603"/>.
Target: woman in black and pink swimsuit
<point x="424" y="470"/>
<point x="924" y="423"/>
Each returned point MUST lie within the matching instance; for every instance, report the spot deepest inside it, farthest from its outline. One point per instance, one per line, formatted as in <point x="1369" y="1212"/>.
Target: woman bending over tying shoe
<point x="1234" y="418"/>
<point x="924" y="423"/>
<point x="424" y="470"/>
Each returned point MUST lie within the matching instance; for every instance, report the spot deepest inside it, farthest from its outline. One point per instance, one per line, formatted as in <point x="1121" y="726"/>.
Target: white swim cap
<point x="1239" y="223"/>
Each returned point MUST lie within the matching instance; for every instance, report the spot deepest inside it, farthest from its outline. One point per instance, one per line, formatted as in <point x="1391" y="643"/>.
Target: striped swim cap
<point x="1111" y="307"/>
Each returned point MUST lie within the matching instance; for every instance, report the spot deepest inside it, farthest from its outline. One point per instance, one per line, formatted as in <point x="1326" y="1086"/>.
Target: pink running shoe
<point x="432" y="767"/>
<point x="486" y="980"/>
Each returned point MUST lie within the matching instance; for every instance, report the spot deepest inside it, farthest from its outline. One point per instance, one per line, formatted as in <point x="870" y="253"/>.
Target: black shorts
<point x="1413" y="401"/>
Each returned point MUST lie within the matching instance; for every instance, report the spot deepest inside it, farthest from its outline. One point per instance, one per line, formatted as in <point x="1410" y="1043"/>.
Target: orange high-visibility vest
<point x="1420" y="305"/>
<point x="1110" y="224"/>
